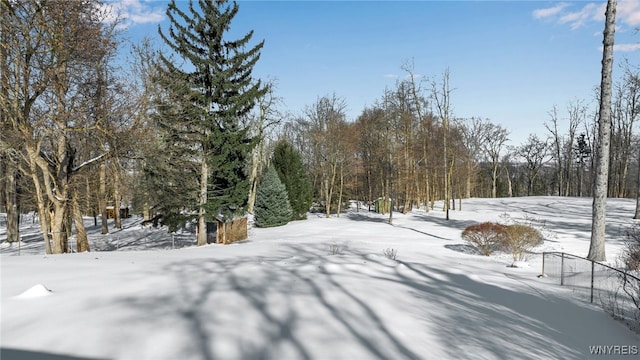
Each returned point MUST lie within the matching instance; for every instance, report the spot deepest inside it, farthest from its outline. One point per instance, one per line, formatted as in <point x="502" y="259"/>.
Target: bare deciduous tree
<point x="441" y="95"/>
<point x="625" y="110"/>
<point x="265" y="118"/>
<point x="535" y="153"/>
<point x="598" y="224"/>
<point x="494" y="141"/>
<point x="322" y="124"/>
<point x="473" y="142"/>
<point x="53" y="49"/>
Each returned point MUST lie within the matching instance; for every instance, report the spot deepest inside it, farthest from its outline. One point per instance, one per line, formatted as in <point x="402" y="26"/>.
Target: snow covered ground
<point x="315" y="289"/>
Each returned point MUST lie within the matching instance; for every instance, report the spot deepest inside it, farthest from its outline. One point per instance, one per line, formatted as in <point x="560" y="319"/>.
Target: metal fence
<point x="616" y="291"/>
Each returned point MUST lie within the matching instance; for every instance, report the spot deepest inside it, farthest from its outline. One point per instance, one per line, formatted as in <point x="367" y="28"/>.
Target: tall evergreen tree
<point x="206" y="104"/>
<point x="288" y="163"/>
<point x="272" y="206"/>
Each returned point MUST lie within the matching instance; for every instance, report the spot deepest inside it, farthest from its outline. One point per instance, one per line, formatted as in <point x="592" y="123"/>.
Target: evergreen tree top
<point x="204" y="102"/>
<point x="221" y="83"/>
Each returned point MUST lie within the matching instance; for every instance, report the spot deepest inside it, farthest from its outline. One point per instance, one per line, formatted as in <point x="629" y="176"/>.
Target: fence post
<point x="593" y="264"/>
<point x="543" y="256"/>
<point x="562" y="269"/>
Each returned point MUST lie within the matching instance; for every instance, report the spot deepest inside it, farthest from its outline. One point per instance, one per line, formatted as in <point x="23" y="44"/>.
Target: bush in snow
<point x="486" y="237"/>
<point x="337" y="249"/>
<point x="391" y="254"/>
<point x="272" y="206"/>
<point x="533" y="222"/>
<point x="628" y="285"/>
<point x="630" y="256"/>
<point x="519" y="239"/>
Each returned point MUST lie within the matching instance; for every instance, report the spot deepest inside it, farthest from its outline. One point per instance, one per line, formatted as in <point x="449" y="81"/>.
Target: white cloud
<point x="626" y="47"/>
<point x="548" y="12"/>
<point x="630" y="47"/>
<point x="577" y="19"/>
<point x="149" y="17"/>
<point x="391" y="76"/>
<point x="131" y="12"/>
<point x="627" y="13"/>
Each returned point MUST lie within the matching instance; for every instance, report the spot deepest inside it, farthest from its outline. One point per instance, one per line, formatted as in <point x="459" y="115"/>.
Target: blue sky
<point x="509" y="61"/>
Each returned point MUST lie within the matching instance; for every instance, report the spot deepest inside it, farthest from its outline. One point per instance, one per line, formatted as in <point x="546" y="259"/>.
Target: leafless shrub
<point x="629" y="283"/>
<point x="540" y="225"/>
<point x="486" y="237"/>
<point x="520" y="239"/>
<point x="630" y="256"/>
<point x="391" y="254"/>
<point x="622" y="300"/>
<point x="530" y="221"/>
<point x="337" y="249"/>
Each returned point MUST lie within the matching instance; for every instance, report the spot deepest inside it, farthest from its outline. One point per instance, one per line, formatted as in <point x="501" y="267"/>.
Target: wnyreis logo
<point x="613" y="350"/>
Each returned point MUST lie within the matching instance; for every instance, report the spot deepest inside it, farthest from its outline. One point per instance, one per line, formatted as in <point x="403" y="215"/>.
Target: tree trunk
<point x="390" y="200"/>
<point x="510" y="185"/>
<point x="327" y="200"/>
<point x="202" y="201"/>
<point x="102" y="197"/>
<point x="329" y="185"/>
<point x="255" y="163"/>
<point x="88" y="206"/>
<point x="4" y="97"/>
<point x="597" y="248"/>
<point x="468" y="180"/>
<point x="494" y="178"/>
<point x="452" y="198"/>
<point x="340" y="189"/>
<point x="116" y="197"/>
<point x="430" y="201"/>
<point x="446" y="167"/>
<point x="11" y="200"/>
<point x="43" y="213"/>
<point x="82" y="242"/>
<point x="3" y="159"/>
<point x="146" y="213"/>
<point x="580" y="171"/>
<point x="427" y="184"/>
<point x="58" y="231"/>
<point x="637" y="214"/>
<point x="406" y="207"/>
<point x="557" y="151"/>
<point x="370" y="188"/>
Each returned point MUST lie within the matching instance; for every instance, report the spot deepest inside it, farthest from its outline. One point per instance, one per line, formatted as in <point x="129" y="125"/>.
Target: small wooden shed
<point x="382" y="206"/>
<point x="226" y="231"/>
<point x="111" y="212"/>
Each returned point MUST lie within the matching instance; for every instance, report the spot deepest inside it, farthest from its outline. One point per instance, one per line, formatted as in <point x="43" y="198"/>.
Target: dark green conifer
<point x="208" y="93"/>
<point x="272" y="206"/>
<point x="288" y="163"/>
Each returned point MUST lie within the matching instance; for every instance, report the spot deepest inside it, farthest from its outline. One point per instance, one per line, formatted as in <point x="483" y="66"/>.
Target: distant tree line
<point x="402" y="149"/>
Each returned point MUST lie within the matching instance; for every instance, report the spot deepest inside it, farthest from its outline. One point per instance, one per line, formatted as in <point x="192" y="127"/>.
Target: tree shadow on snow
<point x="572" y="216"/>
<point x="370" y="217"/>
<point x="17" y="354"/>
<point x="451" y="223"/>
<point x="225" y="306"/>
<point x="464" y="249"/>
<point x="427" y="221"/>
<point x="294" y="304"/>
